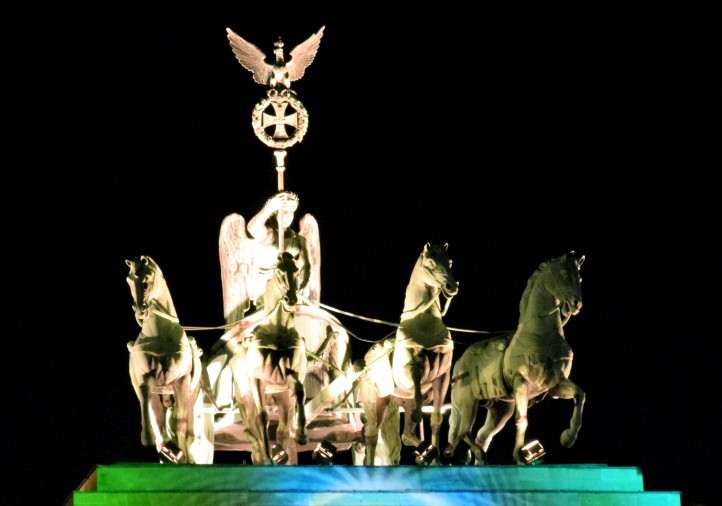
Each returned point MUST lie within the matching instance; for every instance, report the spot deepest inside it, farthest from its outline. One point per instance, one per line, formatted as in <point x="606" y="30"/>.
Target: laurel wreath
<point x="293" y="103"/>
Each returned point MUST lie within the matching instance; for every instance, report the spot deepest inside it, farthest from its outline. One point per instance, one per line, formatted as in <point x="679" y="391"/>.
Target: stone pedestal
<point x="155" y="484"/>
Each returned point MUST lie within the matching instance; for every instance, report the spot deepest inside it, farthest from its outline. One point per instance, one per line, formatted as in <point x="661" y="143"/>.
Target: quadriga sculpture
<point x="166" y="371"/>
<point x="511" y="372"/>
<point x="414" y="364"/>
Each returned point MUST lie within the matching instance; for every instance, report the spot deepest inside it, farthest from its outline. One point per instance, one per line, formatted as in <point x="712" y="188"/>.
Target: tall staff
<point x="280" y="112"/>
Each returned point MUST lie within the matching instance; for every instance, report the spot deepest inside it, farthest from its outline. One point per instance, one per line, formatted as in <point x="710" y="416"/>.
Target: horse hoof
<point x="170" y="453"/>
<point x="448" y="453"/>
<point x="518" y="460"/>
<point x="301" y="439"/>
<point x="427" y="456"/>
<point x="408" y="440"/>
<point x="477" y="458"/>
<point x="568" y="438"/>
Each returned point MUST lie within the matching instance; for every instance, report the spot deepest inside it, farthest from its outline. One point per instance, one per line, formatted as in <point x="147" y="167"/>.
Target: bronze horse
<point x="415" y="364"/>
<point x="512" y="372"/>
<point x="166" y="372"/>
<point x="272" y="360"/>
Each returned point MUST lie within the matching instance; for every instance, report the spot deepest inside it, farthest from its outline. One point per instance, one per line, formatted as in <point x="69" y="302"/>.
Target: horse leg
<point x="200" y="435"/>
<point x="409" y="437"/>
<point x="283" y="429"/>
<point x="412" y="408"/>
<point x="521" y="400"/>
<point x="497" y="414"/>
<point x="416" y="373"/>
<point x="254" y="419"/>
<point x="259" y="400"/>
<point x="371" y="432"/>
<point x="375" y="412"/>
<point x="391" y="439"/>
<point x="141" y="392"/>
<point x="183" y="410"/>
<point x="283" y="432"/>
<point x="440" y="386"/>
<point x="463" y="414"/>
<point x="147" y="434"/>
<point x="138" y="369"/>
<point x="296" y="375"/>
<point x="340" y="354"/>
<point x="567" y="389"/>
<point x="154" y="414"/>
<point x="407" y="369"/>
<point x="368" y="397"/>
<point x="297" y="399"/>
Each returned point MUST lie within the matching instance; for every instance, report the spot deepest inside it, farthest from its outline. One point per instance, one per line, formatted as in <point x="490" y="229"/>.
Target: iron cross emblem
<point x="278" y="112"/>
<point x="280" y="120"/>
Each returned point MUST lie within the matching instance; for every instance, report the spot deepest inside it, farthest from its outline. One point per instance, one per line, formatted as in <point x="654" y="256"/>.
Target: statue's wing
<point x="235" y="250"/>
<point x="309" y="231"/>
<point x="250" y="57"/>
<point x="302" y="55"/>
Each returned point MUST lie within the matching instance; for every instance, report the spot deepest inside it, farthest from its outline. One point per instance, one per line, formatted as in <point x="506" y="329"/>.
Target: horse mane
<point x="155" y="268"/>
<point x="524" y="303"/>
<point x="161" y="282"/>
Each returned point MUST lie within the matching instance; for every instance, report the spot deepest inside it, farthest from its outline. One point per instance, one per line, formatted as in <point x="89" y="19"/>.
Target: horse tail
<point x="160" y="375"/>
<point x="284" y="363"/>
<point x="161" y="371"/>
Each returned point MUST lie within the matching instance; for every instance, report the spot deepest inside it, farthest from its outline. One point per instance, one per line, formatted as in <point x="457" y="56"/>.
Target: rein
<point x="333" y="309"/>
<point x="152" y="309"/>
<point x="164" y="315"/>
<point x="410" y="313"/>
<point x="396" y="325"/>
<point x="565" y="320"/>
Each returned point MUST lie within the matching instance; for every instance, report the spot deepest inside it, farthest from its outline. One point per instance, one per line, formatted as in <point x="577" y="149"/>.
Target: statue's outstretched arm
<point x="257" y="226"/>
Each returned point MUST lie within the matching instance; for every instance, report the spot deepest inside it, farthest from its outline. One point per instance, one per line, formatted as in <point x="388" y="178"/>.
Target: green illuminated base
<point x="155" y="484"/>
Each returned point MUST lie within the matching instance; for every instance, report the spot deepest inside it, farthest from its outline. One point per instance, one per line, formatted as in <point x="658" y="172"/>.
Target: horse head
<point x="562" y="278"/>
<point x="284" y="280"/>
<point x="145" y="280"/>
<point x="436" y="269"/>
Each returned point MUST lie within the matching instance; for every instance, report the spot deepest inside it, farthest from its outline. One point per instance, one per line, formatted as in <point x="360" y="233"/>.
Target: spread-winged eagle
<point x="281" y="73"/>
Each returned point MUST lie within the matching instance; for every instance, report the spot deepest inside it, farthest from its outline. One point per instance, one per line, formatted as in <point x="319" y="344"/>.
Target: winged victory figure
<point x="248" y="253"/>
<point x="281" y="73"/>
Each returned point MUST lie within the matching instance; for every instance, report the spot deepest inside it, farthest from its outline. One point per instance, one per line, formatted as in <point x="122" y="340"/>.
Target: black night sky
<point x="515" y="135"/>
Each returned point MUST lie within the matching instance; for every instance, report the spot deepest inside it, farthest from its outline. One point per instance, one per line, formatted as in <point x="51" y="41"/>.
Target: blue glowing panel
<point x="378" y="498"/>
<point x="160" y="478"/>
<point x="582" y="485"/>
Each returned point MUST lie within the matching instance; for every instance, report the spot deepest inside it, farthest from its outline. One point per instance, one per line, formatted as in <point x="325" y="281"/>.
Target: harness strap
<point x="164" y="315"/>
<point x="338" y="311"/>
<point x="410" y="313"/>
<point x="396" y="325"/>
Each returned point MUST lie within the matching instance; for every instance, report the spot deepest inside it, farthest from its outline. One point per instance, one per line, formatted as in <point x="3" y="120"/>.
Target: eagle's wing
<point x="302" y="56"/>
<point x="236" y="254"/>
<point x="309" y="231"/>
<point x="250" y="57"/>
